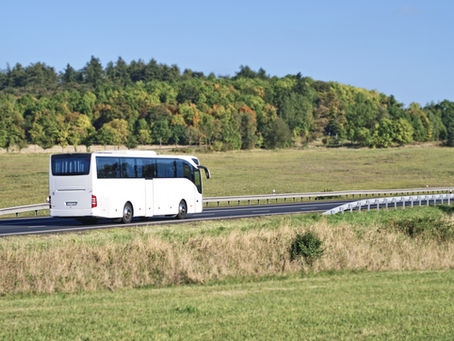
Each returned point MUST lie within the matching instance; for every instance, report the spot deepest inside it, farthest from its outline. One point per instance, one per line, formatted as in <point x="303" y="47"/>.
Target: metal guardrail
<point x="367" y="203"/>
<point x="320" y="195"/>
<point x="266" y="197"/>
<point x="27" y="208"/>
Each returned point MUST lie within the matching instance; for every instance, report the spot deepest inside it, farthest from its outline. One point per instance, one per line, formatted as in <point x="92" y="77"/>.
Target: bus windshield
<point x="71" y="164"/>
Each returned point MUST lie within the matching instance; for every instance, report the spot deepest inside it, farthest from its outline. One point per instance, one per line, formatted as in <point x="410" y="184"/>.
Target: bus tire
<point x="128" y="213"/>
<point x="182" y="210"/>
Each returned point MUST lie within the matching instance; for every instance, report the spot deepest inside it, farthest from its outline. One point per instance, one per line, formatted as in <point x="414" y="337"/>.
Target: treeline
<point x="151" y="103"/>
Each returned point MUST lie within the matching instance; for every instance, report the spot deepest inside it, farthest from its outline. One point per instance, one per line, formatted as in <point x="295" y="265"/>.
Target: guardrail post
<point x="403" y="202"/>
<point x="36" y="213"/>
<point x="378" y="204"/>
<point x="427" y="200"/>
<point x="442" y="199"/>
<point x="359" y="208"/>
<point x="449" y="199"/>
<point x="435" y="200"/>
<point x="342" y="210"/>
<point x="386" y="203"/>
<point x="350" y="207"/>
<point x="395" y="203"/>
<point x="368" y="206"/>
<point x="419" y="197"/>
<point x="17" y="214"/>
<point x="411" y="201"/>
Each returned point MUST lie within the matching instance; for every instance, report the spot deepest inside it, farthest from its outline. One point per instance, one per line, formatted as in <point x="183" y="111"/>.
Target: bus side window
<point x="128" y="169"/>
<point x="147" y="168"/>
<point x="187" y="171"/>
<point x="166" y="168"/>
<point x="179" y="164"/>
<point x="108" y="167"/>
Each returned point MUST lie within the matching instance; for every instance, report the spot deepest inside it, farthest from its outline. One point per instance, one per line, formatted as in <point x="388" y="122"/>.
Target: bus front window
<point x="197" y="180"/>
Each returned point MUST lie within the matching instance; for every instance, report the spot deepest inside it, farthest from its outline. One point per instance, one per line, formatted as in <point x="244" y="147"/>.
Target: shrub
<point x="426" y="227"/>
<point x="308" y="246"/>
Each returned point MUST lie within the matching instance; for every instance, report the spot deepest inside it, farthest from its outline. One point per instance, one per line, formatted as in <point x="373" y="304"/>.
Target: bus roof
<point x="127" y="152"/>
<point x="139" y="153"/>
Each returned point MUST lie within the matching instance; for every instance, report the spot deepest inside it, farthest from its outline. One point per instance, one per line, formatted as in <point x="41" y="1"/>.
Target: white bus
<point x="124" y="184"/>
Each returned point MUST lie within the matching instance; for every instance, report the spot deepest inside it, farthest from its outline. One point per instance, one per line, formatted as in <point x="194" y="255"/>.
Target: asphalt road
<point x="41" y="225"/>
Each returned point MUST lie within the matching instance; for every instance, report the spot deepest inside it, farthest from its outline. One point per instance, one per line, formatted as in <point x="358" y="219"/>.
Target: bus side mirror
<point x="207" y="171"/>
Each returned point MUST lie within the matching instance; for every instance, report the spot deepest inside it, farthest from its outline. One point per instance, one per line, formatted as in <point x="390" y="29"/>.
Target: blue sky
<point x="404" y="48"/>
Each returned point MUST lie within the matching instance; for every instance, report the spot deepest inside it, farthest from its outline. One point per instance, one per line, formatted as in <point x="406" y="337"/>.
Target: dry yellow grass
<point x="69" y="264"/>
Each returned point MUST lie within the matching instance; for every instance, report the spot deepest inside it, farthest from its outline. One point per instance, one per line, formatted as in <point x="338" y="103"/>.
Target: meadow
<point x="381" y="275"/>
<point x="24" y="177"/>
<point x="409" y="305"/>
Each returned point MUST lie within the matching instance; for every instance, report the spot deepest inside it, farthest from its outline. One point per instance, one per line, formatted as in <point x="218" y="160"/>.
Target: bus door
<point x="149" y="197"/>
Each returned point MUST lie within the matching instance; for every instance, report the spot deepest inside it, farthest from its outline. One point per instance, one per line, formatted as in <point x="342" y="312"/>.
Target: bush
<point x="426" y="227"/>
<point x="308" y="246"/>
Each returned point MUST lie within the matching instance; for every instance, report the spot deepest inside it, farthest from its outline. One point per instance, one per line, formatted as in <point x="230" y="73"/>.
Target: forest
<point x="151" y="103"/>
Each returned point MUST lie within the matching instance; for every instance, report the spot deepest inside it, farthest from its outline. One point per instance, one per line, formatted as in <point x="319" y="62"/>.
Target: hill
<point x="144" y="103"/>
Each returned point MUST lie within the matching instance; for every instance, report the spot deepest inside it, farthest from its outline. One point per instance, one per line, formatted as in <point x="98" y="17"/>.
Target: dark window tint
<point x="70" y="164"/>
<point x="108" y="167"/>
<point x="166" y="168"/>
<point x="179" y="164"/>
<point x="146" y="168"/>
<point x="187" y="171"/>
<point x="128" y="168"/>
<point x="198" y="180"/>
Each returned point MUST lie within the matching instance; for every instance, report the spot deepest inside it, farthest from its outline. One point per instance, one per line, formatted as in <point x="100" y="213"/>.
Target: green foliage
<point x="307" y="246"/>
<point x="246" y="111"/>
<point x="425" y="227"/>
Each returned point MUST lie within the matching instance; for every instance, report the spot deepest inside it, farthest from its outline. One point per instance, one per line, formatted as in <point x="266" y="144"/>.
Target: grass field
<point x="416" y="305"/>
<point x="383" y="275"/>
<point x="24" y="177"/>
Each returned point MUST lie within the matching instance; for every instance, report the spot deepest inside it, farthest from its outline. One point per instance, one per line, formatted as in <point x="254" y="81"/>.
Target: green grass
<point x="383" y="306"/>
<point x="328" y="305"/>
<point x="24" y="177"/>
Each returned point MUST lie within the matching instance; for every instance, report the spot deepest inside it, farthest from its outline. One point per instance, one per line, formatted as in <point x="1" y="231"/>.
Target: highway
<point x="45" y="225"/>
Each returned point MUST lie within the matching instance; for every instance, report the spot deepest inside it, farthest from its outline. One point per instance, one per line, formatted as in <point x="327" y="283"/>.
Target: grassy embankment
<point x="417" y="239"/>
<point x="122" y="283"/>
<point x="24" y="177"/>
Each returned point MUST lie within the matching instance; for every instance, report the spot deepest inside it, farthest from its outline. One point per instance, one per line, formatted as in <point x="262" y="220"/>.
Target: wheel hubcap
<point x="127" y="212"/>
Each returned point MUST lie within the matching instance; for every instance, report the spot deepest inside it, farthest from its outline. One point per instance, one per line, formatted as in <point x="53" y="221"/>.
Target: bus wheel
<point x="127" y="213"/>
<point x="182" y="210"/>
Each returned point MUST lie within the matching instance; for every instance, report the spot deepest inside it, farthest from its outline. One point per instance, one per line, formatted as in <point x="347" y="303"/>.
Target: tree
<point x="245" y="72"/>
<point x="69" y="75"/>
<point x="114" y="132"/>
<point x="93" y="72"/>
<point x="277" y="134"/>
<point x="12" y="125"/>
<point x="16" y="76"/>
